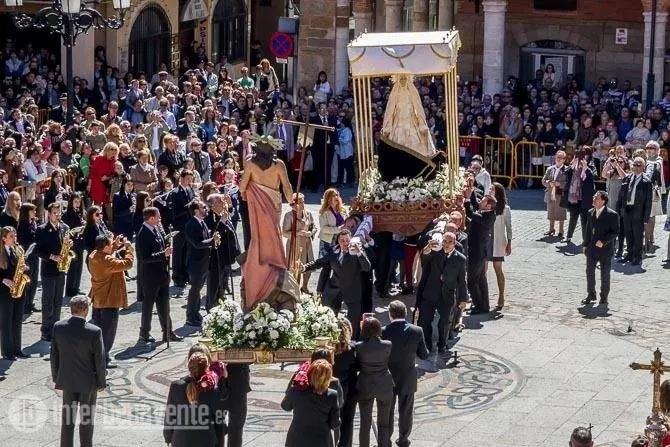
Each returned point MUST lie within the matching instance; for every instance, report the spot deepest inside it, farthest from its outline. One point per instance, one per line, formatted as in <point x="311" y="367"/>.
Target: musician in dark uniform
<point x="152" y="257"/>
<point x="221" y="257"/>
<point x="11" y="309"/>
<point x="26" y="233"/>
<point x="199" y="244"/>
<point x="49" y="239"/>
<point x="180" y="197"/>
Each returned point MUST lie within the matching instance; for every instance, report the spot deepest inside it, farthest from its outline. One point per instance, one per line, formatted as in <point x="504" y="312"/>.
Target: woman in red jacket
<point x="102" y="168"/>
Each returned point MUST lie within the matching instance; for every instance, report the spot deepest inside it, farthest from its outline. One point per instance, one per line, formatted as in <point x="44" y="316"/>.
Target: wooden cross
<point x="657" y="369"/>
<point x="307" y="131"/>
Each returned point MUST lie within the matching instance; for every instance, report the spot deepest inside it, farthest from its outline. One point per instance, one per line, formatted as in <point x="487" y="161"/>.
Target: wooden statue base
<point x="405" y="218"/>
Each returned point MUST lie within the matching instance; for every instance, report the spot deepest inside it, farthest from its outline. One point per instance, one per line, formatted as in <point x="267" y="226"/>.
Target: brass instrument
<point x="20" y="279"/>
<point x="67" y="255"/>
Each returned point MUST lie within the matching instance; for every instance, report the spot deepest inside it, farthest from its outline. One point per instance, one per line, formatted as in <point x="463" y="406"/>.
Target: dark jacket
<point x="189" y="425"/>
<point x="479" y="232"/>
<point x="345" y="278"/>
<point x="374" y="379"/>
<point x="151" y="260"/>
<point x="430" y="284"/>
<point x="605" y="228"/>
<point x="408" y="343"/>
<point x="453" y="275"/>
<point x="199" y="244"/>
<point x="91" y="232"/>
<point x="344" y="368"/>
<point x="229" y="248"/>
<point x="77" y="356"/>
<point x="588" y="187"/>
<point x="180" y="197"/>
<point x="314" y="416"/>
<point x="49" y="242"/>
<point x="7" y="220"/>
<point x="641" y="208"/>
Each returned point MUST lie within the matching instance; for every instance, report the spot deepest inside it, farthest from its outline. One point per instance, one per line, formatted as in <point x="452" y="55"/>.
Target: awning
<point x="425" y="53"/>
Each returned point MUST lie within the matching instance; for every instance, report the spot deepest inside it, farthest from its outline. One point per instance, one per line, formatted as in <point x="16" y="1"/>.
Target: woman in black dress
<point x="74" y="218"/>
<point x="57" y="191"/>
<point x="315" y="410"/>
<point x="123" y="204"/>
<point x="27" y="228"/>
<point x="192" y="409"/>
<point x="94" y="227"/>
<point x="11" y="309"/>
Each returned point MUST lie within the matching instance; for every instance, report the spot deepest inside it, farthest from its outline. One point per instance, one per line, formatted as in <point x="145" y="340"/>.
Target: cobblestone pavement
<point x="526" y="376"/>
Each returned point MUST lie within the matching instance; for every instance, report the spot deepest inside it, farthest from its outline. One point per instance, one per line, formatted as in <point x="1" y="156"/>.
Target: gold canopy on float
<point x="421" y="54"/>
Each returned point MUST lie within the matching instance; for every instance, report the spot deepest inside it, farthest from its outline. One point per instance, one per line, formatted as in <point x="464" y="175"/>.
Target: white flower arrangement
<point x="315" y="320"/>
<point x="264" y="327"/>
<point x="373" y="190"/>
<point x="223" y="323"/>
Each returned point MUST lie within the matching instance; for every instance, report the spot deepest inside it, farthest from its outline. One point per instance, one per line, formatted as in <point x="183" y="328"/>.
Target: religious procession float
<point x="407" y="183"/>
<point x="402" y="188"/>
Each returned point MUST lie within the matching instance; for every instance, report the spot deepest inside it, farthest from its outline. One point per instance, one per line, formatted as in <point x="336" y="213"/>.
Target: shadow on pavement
<point x="136" y="351"/>
<point x="40" y="347"/>
<point x="135" y="307"/>
<point x="591" y="312"/>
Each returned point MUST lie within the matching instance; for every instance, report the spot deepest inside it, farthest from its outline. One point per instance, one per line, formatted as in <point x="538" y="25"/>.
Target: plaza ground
<point x="525" y="377"/>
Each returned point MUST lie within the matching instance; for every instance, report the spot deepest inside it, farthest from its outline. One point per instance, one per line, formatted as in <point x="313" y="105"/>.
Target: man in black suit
<point x="152" y="261"/>
<point x="602" y="228"/>
<point x="344" y="283"/>
<point x="199" y="246"/>
<point x="244" y="149"/>
<point x="49" y="240"/>
<point x="190" y="127"/>
<point x="408" y="343"/>
<point x="635" y="208"/>
<point x="223" y="255"/>
<point x="323" y="146"/>
<point x="78" y="369"/>
<point x="479" y="235"/>
<point x="180" y="197"/>
<point x="59" y="113"/>
<point x="429" y="289"/>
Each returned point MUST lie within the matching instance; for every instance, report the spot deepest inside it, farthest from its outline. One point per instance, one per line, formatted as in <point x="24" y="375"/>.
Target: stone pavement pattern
<point x="525" y="377"/>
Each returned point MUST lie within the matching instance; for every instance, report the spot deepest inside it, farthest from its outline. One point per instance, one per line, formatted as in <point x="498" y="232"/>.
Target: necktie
<point x="198" y="162"/>
<point x="12" y="256"/>
<point x="631" y="188"/>
<point x="324" y="121"/>
<point x="205" y="230"/>
<point x="281" y="132"/>
<point x="38" y="166"/>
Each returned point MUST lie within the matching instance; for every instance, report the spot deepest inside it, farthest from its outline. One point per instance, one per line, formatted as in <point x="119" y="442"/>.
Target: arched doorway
<point x="229" y="30"/>
<point x="149" y="41"/>
<point x="565" y="57"/>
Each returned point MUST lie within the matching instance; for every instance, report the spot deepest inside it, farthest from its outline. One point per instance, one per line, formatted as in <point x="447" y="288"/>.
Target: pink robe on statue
<point x="266" y="261"/>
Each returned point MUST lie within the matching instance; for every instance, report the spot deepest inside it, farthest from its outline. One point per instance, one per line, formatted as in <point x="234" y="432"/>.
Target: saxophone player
<point x="11" y="309"/>
<point x="49" y="240"/>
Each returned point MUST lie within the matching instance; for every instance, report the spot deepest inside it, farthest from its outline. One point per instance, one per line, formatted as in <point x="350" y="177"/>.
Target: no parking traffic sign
<point x="281" y="45"/>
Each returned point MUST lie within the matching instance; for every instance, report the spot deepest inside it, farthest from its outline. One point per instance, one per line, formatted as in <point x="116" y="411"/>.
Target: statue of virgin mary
<point x="405" y="125"/>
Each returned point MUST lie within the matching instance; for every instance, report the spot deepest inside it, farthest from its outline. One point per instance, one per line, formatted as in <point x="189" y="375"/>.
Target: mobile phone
<point x="367" y="315"/>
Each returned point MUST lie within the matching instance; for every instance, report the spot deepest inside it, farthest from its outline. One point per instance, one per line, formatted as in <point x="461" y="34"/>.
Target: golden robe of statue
<point x="405" y="125"/>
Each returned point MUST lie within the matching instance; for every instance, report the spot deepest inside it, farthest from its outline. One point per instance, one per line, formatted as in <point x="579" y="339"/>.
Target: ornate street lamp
<point x="69" y="19"/>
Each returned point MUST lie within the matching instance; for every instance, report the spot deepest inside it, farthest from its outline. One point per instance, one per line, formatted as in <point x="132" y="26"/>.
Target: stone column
<point x="341" y="41"/>
<point x="317" y="42"/>
<point x="362" y="16"/>
<point x="420" y="15"/>
<point x="445" y="14"/>
<point x="494" y="45"/>
<point x="393" y="16"/>
<point x="659" y="52"/>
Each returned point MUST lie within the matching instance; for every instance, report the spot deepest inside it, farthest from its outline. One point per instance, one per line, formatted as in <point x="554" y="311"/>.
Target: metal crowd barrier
<point x="498" y="155"/>
<point x="530" y="160"/>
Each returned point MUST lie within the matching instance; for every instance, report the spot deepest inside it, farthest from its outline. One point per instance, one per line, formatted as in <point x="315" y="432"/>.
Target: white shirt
<point x="155" y="144"/>
<point x="599" y="211"/>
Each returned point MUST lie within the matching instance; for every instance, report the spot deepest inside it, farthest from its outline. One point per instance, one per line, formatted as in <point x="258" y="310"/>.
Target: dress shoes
<point x="603" y="302"/>
<point x="626" y="258"/>
<point x="194" y="323"/>
<point x="144" y="340"/>
<point x="442" y="350"/>
<point x="46" y="338"/>
<point x="111" y="365"/>
<point x="172" y="337"/>
<point x="9" y="358"/>
<point x="22" y="355"/>
<point x="477" y="311"/>
<point x="589" y="300"/>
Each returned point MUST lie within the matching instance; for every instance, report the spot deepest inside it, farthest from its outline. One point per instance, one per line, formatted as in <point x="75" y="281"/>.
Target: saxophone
<point x="20" y="279"/>
<point x="67" y="255"/>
